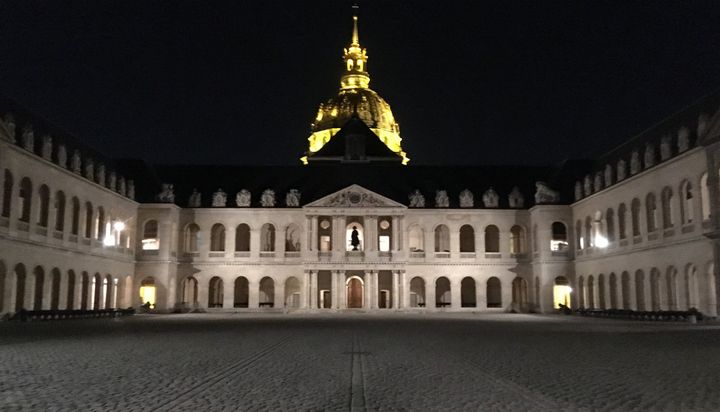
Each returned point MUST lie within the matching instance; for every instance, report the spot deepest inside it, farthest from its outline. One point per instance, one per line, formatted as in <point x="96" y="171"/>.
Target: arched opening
<point x="640" y="290"/>
<point x="88" y="219"/>
<point x="610" y="225"/>
<point x="148" y="292"/>
<point x="559" y="240"/>
<point x="705" y="197"/>
<point x="613" y="291"/>
<point x="44" y="206"/>
<point x="651" y="212"/>
<point x="517" y="240"/>
<point x="75" y="228"/>
<point x="354" y="237"/>
<point x="71" y="290"/>
<point x="55" y="289"/>
<point x="355" y="292"/>
<point x="192" y="234"/>
<point x="98" y="288"/>
<point x="100" y="224"/>
<point x="625" y="287"/>
<point x="582" y="301"/>
<point x="443" y="296"/>
<point x="84" y="291"/>
<point x="416" y="239"/>
<point x="20" y="279"/>
<point x="150" y="239"/>
<point x="622" y="216"/>
<point x="267" y="238"/>
<point x="267" y="292"/>
<point x="687" y="203"/>
<point x="292" y="238"/>
<point x="468" y="295"/>
<point x="590" y="298"/>
<point x="59" y="211"/>
<point x="635" y="216"/>
<point x="242" y="238"/>
<point x="442" y="239"/>
<point x="39" y="273"/>
<point x="467" y="239"/>
<point x="693" y="293"/>
<point x="561" y="292"/>
<point x="589" y="232"/>
<point x="602" y="292"/>
<point x="7" y="193"/>
<point x="417" y="292"/>
<point x="189" y="291"/>
<point x="292" y="292"/>
<point x="673" y="288"/>
<point x="217" y="238"/>
<point x="492" y="239"/>
<point x="494" y="293"/>
<point x="579" y="240"/>
<point x="520" y="294"/>
<point x="667" y="207"/>
<point x="108" y="292"/>
<point x="25" y="199"/>
<point x="655" y="289"/>
<point x="215" y="292"/>
<point x="242" y="293"/>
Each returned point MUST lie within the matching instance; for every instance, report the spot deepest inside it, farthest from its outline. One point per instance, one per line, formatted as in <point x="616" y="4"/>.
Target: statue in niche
<point x="292" y="198"/>
<point x="587" y="185"/>
<point x="683" y="139"/>
<point x="441" y="199"/>
<point x="354" y="238"/>
<point x="417" y="199"/>
<point x="635" y="163"/>
<point x="89" y="170"/>
<point x="75" y="162"/>
<point x="242" y="198"/>
<point x="122" y="189"/>
<point x="112" y="182"/>
<point x="100" y="174"/>
<point x="608" y="175"/>
<point x="466" y="199"/>
<point x="131" y="189"/>
<point x="665" y="148"/>
<point x="621" y="170"/>
<point x="578" y="191"/>
<point x="702" y="125"/>
<point x="516" y="200"/>
<point x="9" y="122"/>
<point x="28" y="138"/>
<point x="490" y="198"/>
<point x="649" y="155"/>
<point x="544" y="195"/>
<point x="219" y="198"/>
<point x="47" y="147"/>
<point x="195" y="199"/>
<point x="62" y="156"/>
<point x="267" y="199"/>
<point x="167" y="193"/>
<point x="597" y="183"/>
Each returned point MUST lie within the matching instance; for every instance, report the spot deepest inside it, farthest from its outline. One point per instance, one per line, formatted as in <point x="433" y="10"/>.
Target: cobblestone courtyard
<point x="358" y="361"/>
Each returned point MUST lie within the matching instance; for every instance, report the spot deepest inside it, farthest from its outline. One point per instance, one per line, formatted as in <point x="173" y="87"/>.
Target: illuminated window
<point x="349" y="64"/>
<point x="150" y="239"/>
<point x="360" y="65"/>
<point x="384" y="243"/>
<point x="559" y="237"/>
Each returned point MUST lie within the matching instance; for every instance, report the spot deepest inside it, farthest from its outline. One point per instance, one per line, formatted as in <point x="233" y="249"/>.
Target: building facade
<point x="357" y="229"/>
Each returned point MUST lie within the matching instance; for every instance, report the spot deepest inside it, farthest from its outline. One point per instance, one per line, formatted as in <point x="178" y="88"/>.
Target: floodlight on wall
<point x="601" y="241"/>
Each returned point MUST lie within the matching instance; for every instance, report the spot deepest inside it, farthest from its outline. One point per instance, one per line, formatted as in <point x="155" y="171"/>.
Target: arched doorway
<point x="494" y="293"/>
<point x="443" y="296"/>
<point x="267" y="292"/>
<point x="468" y="297"/>
<point x="417" y="292"/>
<point x="561" y="292"/>
<point x="55" y="291"/>
<point x="189" y="291"/>
<point x="520" y="294"/>
<point x="242" y="292"/>
<point x="215" y="293"/>
<point x="355" y="288"/>
<point x="292" y="292"/>
<point x="39" y="273"/>
<point x="148" y="292"/>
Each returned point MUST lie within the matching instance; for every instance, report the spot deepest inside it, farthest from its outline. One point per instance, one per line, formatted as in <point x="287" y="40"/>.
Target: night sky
<point x="238" y="82"/>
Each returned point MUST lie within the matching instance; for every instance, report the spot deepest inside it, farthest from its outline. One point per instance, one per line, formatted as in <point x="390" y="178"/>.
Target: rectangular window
<point x="384" y="243"/>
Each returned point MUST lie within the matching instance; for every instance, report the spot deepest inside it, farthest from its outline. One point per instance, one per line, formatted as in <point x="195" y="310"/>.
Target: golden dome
<point x="355" y="98"/>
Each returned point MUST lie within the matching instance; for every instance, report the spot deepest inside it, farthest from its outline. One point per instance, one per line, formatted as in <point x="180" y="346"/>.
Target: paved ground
<point x="359" y="362"/>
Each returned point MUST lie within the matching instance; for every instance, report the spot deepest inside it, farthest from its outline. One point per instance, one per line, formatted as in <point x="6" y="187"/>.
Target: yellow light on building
<point x="147" y="295"/>
<point x="561" y="295"/>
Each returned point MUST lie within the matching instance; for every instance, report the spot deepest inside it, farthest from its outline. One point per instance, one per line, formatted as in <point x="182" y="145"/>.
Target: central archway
<point x="355" y="292"/>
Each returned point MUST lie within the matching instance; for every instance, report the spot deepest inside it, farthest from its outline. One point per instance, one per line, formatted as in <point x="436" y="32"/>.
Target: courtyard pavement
<point x="357" y="361"/>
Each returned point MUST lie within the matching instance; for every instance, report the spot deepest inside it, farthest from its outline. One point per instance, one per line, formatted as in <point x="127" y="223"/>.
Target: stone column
<point x="404" y="291"/>
<point x="52" y="215"/>
<point x="77" y="293"/>
<point x="395" y="290"/>
<point x="455" y="296"/>
<point x="430" y="295"/>
<point x="371" y="233"/>
<point x="314" y="234"/>
<point x="47" y="291"/>
<point x="339" y="241"/>
<point x="14" y="204"/>
<point x="306" y="290"/>
<point x="334" y="275"/>
<point x="342" y="295"/>
<point x="228" y="294"/>
<point x="9" y="292"/>
<point x="454" y="242"/>
<point x="313" y="289"/>
<point x="254" y="244"/>
<point x="395" y="226"/>
<point x="230" y="235"/>
<point x="280" y="241"/>
<point x="367" y="280"/>
<point x="253" y="293"/>
<point x="114" y="291"/>
<point x="29" y="298"/>
<point x="481" y="298"/>
<point x="375" y="303"/>
<point x="279" y="295"/>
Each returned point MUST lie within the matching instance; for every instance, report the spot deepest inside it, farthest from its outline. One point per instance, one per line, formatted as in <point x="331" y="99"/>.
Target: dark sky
<point x="238" y="82"/>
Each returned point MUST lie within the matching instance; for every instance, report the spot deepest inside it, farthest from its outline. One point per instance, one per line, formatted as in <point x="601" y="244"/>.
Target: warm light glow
<point x="561" y="295"/>
<point x="119" y="226"/>
<point x="150" y="244"/>
<point x="147" y="294"/>
<point x="558" y="245"/>
<point x="109" y="240"/>
<point x="601" y="241"/>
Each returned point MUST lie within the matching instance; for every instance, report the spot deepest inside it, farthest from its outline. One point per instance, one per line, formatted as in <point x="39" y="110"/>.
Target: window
<point x="442" y="239"/>
<point x="517" y="240"/>
<point x="75" y="229"/>
<point x="217" y="238"/>
<point x="667" y="208"/>
<point x="44" y="210"/>
<point x="242" y="238"/>
<point x="150" y="239"/>
<point x="492" y="239"/>
<point x="60" y="211"/>
<point x="622" y="216"/>
<point x="559" y="237"/>
<point x="635" y="211"/>
<point x="651" y="209"/>
<point x="25" y="199"/>
<point x="687" y="203"/>
<point x="88" y="219"/>
<point x="416" y="239"/>
<point x="467" y="239"/>
<point x="704" y="197"/>
<point x="610" y="225"/>
<point x="192" y="233"/>
<point x="7" y="193"/>
<point x="267" y="238"/>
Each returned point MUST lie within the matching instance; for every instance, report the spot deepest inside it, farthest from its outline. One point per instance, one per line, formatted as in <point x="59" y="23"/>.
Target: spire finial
<point x="355" y="37"/>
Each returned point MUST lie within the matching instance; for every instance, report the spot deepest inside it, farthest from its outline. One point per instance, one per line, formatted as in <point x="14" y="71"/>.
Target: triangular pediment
<point x="354" y="196"/>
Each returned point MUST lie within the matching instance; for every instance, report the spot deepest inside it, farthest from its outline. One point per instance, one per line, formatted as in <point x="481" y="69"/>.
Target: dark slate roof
<point x="316" y="181"/>
<point x="371" y="148"/>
